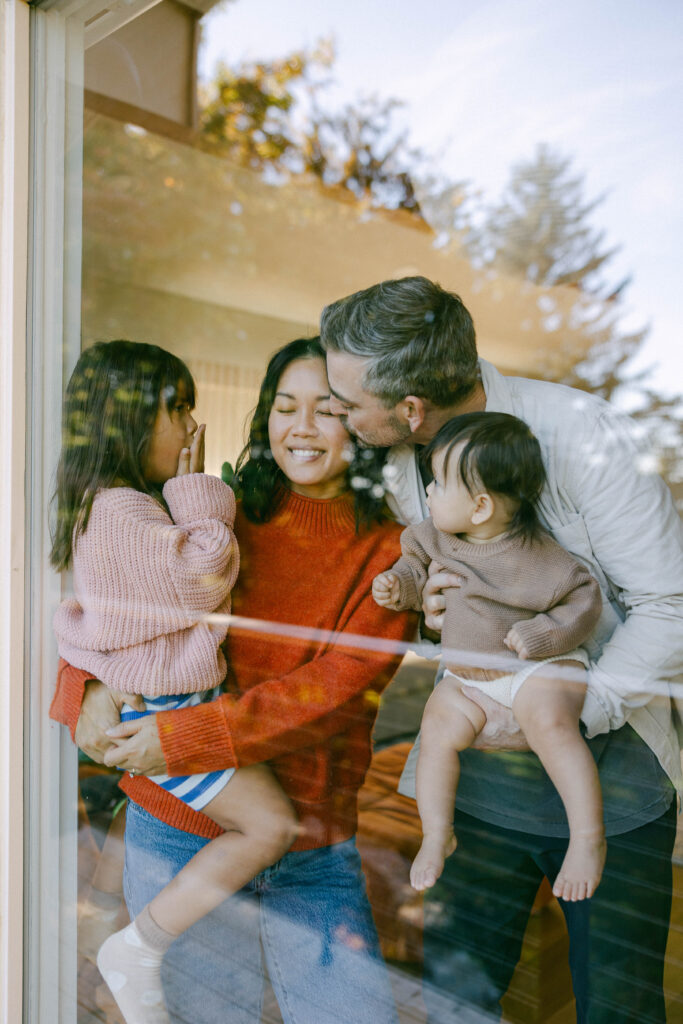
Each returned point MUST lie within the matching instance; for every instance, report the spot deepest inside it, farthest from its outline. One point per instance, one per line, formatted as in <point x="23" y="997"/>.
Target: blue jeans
<point x="307" y="914"/>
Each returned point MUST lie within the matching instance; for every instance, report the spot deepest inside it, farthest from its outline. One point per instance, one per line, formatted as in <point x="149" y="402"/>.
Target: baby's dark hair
<point x="501" y="455"/>
<point x="110" y="408"/>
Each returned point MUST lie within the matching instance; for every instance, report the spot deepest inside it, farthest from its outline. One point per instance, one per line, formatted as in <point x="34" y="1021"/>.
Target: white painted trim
<point x="14" y="153"/>
<point x="48" y="350"/>
<point x="53" y="346"/>
<point x="99" y="18"/>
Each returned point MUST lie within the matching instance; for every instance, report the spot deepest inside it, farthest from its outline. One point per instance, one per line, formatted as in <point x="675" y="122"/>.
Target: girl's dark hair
<point x="110" y="407"/>
<point x="501" y="455"/>
<point x="260" y="482"/>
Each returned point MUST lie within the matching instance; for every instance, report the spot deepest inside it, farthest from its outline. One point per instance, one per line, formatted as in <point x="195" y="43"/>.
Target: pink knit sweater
<point x="142" y="581"/>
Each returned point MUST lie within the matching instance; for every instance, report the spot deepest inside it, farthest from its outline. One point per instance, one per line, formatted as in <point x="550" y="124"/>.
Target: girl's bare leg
<point x="450" y="723"/>
<point x="260" y="827"/>
<point x="548" y="711"/>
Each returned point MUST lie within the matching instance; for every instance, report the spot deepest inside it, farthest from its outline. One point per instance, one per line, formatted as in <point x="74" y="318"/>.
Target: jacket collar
<point x="497" y="389"/>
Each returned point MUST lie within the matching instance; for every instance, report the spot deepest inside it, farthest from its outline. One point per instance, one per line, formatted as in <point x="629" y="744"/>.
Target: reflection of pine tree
<point x="540" y="231"/>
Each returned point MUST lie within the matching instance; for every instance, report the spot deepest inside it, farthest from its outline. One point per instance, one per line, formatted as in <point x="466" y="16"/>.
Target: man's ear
<point x="483" y="508"/>
<point x="412" y="411"/>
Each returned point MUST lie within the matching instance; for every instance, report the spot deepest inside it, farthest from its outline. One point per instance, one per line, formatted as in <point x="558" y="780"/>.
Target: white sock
<point x="131" y="967"/>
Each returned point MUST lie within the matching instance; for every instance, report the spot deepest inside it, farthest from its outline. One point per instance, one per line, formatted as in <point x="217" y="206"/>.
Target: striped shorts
<point x="194" y="790"/>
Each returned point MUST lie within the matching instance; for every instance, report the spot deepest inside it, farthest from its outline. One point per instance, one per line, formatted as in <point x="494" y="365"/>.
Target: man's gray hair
<point x="418" y="339"/>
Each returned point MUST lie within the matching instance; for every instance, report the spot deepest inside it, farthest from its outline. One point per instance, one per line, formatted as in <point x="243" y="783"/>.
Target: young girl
<point x="150" y="540"/>
<point x="521" y="592"/>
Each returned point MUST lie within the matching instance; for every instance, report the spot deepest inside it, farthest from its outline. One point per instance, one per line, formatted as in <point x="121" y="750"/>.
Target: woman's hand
<point x="100" y="710"/>
<point x="433" y="599"/>
<point x="135" y="747"/>
<point x="191" y="460"/>
<point x="501" y="731"/>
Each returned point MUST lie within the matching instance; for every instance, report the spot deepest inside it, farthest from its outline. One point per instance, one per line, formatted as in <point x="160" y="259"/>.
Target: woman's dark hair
<point x="501" y="455"/>
<point x="110" y="408"/>
<point x="260" y="482"/>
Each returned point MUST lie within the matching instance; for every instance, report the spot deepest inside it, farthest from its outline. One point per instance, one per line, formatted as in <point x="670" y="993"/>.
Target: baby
<point x="520" y="592"/>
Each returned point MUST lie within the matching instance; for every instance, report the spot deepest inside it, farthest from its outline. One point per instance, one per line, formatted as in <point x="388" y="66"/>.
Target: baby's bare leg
<point x="450" y="723"/>
<point x="261" y="826"/>
<point x="548" y="711"/>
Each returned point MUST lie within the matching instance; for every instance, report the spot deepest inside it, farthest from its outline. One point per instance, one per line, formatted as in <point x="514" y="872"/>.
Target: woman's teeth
<point x="305" y="453"/>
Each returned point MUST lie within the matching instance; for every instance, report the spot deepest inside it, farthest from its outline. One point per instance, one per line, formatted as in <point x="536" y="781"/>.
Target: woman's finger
<point x="126" y="729"/>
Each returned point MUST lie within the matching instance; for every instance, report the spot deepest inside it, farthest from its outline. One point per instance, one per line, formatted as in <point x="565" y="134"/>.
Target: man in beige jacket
<point x="402" y="360"/>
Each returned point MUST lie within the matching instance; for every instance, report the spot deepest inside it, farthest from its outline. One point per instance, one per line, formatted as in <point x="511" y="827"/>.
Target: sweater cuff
<point x="196" y="739"/>
<point x="408" y="596"/>
<point x="68" y="698"/>
<point x="539" y="641"/>
<point x="199" y="496"/>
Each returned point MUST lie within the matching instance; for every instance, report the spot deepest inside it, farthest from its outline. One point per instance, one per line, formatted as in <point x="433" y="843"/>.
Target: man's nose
<point x="336" y="407"/>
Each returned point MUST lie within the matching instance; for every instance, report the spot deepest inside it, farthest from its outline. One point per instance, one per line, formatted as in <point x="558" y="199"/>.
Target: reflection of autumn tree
<point x="271" y="116"/>
<point x="541" y="231"/>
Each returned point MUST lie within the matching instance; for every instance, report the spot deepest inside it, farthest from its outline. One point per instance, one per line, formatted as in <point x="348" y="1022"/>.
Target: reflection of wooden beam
<point x="175" y="220"/>
<point x="128" y="113"/>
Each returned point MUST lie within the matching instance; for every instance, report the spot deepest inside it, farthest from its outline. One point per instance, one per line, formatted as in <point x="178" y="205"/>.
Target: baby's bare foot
<point x="428" y="864"/>
<point x="582" y="866"/>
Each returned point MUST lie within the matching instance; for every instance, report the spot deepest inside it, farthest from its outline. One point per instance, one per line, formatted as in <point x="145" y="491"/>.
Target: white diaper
<point x="505" y="689"/>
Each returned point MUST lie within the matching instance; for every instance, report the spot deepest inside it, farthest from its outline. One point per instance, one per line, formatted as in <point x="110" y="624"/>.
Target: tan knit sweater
<point x="142" y="581"/>
<point x="551" y="599"/>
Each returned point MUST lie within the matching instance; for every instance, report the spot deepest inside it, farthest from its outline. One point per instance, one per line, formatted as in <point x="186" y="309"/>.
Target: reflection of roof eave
<point x="179" y="220"/>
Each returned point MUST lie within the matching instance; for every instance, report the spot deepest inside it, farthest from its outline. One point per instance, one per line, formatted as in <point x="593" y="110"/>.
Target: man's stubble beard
<point x="392" y="432"/>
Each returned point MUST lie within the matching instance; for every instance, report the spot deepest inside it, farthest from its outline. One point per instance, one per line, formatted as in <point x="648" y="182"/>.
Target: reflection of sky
<point x="484" y="83"/>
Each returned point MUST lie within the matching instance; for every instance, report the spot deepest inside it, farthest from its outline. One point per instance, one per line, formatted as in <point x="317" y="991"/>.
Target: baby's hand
<point x="514" y="642"/>
<point x="385" y="589"/>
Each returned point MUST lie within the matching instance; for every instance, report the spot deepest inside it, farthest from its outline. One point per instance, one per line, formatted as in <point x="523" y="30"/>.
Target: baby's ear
<point x="484" y="507"/>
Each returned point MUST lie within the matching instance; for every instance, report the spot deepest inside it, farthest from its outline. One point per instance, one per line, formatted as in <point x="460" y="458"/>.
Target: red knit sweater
<point x="306" y="706"/>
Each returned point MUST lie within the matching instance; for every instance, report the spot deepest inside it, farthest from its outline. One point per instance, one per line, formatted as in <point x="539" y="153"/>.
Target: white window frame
<point x="41" y="114"/>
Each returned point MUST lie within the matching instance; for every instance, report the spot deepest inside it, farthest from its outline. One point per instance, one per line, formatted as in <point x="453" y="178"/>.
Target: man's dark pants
<point x="476" y="915"/>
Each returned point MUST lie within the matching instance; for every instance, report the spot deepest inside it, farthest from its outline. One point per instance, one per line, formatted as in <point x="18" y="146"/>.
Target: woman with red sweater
<point x="304" y="702"/>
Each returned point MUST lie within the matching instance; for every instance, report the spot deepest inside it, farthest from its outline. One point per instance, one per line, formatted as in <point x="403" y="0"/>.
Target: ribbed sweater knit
<point x="305" y="705"/>
<point x="142" y="580"/>
<point x="551" y="599"/>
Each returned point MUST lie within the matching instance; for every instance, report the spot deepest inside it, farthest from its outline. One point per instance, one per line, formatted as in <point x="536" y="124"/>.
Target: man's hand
<point x="135" y="746"/>
<point x="501" y="731"/>
<point x="433" y="599"/>
<point x="385" y="589"/>
<point x="100" y="710"/>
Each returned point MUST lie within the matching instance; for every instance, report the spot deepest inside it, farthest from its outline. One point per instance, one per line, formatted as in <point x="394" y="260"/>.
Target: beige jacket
<point x="604" y="503"/>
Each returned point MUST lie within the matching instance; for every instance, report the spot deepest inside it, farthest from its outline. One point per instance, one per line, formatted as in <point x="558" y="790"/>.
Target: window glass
<point x="243" y="168"/>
